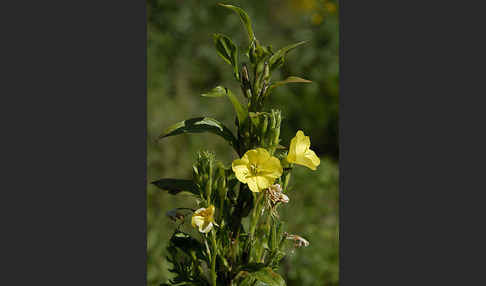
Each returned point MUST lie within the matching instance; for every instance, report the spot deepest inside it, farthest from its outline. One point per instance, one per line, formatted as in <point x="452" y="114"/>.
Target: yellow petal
<point x="197" y="220"/>
<point x="298" y="145"/>
<point x="291" y="156"/>
<point x="253" y="185"/>
<point x="264" y="182"/>
<point x="299" y="152"/>
<point x="309" y="160"/>
<point x="271" y="168"/>
<point x="302" y="143"/>
<point x="257" y="156"/>
<point x="312" y="157"/>
<point x="206" y="227"/>
<point x="210" y="213"/>
<point x="241" y="169"/>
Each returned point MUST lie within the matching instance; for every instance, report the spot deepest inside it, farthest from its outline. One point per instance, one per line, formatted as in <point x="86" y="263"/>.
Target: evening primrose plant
<point x="237" y="237"/>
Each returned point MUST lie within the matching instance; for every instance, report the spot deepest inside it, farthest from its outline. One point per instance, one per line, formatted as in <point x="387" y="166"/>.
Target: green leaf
<point x="228" y="51"/>
<point x="175" y="186"/>
<point x="267" y="276"/>
<point x="277" y="59"/>
<point x="241" y="110"/>
<point x="215" y="92"/>
<point x="199" y="125"/>
<point x="290" y="79"/>
<point x="244" y="19"/>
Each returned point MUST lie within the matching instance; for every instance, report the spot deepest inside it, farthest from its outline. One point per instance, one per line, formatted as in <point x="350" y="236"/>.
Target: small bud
<point x="266" y="72"/>
<point x="244" y="76"/>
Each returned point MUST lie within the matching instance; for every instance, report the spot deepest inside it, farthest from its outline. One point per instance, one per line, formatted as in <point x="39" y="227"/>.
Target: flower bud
<point x="266" y="72"/>
<point x="203" y="173"/>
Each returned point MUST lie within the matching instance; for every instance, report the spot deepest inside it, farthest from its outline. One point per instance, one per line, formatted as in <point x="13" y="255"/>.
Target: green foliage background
<point x="182" y="64"/>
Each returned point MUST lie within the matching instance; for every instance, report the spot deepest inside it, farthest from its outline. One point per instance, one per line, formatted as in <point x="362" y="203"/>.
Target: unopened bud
<point x="266" y="72"/>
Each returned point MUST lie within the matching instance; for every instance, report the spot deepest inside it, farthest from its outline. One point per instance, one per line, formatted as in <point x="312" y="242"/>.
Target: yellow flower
<point x="257" y="169"/>
<point x="203" y="219"/>
<point x="299" y="152"/>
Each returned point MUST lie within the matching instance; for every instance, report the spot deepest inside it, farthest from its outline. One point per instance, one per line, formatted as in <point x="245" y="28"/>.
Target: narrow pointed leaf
<point x="240" y="109"/>
<point x="228" y="51"/>
<point x="215" y="92"/>
<point x="175" y="186"/>
<point x="199" y="125"/>
<point x="277" y="59"/>
<point x="290" y="79"/>
<point x="244" y="19"/>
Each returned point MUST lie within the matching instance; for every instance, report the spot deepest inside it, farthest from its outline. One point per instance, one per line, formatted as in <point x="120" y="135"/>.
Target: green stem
<point x="213" y="259"/>
<point x="255" y="215"/>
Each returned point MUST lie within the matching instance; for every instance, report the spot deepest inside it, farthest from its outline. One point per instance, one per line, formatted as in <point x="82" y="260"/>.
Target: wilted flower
<point x="273" y="196"/>
<point x="257" y="168"/>
<point x="298" y="240"/>
<point x="174" y="215"/>
<point x="203" y="219"/>
<point x="299" y="152"/>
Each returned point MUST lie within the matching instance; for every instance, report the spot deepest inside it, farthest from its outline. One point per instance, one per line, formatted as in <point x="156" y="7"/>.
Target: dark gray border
<point x="411" y="143"/>
<point x="74" y="143"/>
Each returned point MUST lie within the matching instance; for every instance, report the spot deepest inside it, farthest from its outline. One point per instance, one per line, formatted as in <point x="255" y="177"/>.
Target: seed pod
<point x="278" y="119"/>
<point x="221" y="182"/>
<point x="245" y="78"/>
<point x="258" y="76"/>
<point x="266" y="72"/>
<point x="270" y="129"/>
<point x="263" y="129"/>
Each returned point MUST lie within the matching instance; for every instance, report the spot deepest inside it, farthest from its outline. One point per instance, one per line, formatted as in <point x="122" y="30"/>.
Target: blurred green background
<point x="182" y="64"/>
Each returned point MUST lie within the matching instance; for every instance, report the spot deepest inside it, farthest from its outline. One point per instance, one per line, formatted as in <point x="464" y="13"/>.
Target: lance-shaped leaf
<point x="228" y="51"/>
<point x="240" y="109"/>
<point x="277" y="59"/>
<point x="175" y="186"/>
<point x="290" y="79"/>
<point x="199" y="125"/>
<point x="244" y="19"/>
<point x="215" y="92"/>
